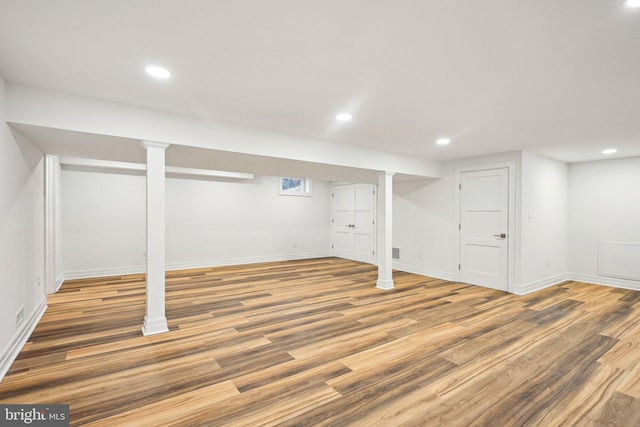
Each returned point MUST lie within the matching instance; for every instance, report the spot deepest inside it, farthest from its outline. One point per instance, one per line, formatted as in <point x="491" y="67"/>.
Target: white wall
<point x="208" y="222"/>
<point x="562" y="213"/>
<point x="103" y="223"/>
<point x="424" y="218"/>
<point x="21" y="238"/>
<point x="423" y="226"/>
<point x="543" y="232"/>
<point x="604" y="205"/>
<point x="225" y="223"/>
<point x="425" y="232"/>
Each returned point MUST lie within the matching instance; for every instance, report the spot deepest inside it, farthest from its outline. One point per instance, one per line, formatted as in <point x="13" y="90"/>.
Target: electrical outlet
<point x="295" y="244"/>
<point x="39" y="281"/>
<point x="419" y="254"/>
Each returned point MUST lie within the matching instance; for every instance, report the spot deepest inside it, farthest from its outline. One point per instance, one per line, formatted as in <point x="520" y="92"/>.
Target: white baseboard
<point x="532" y="286"/>
<point x="172" y="266"/>
<point x="422" y="271"/>
<point x="540" y="284"/>
<point x="634" y="285"/>
<point x="59" y="282"/>
<point x="247" y="260"/>
<point x="11" y="351"/>
<point x="584" y="278"/>
<point x="102" y="272"/>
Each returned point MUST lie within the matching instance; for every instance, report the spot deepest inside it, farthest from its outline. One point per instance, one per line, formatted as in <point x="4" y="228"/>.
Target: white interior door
<point x="353" y="222"/>
<point x="343" y="244"/>
<point x="484" y="225"/>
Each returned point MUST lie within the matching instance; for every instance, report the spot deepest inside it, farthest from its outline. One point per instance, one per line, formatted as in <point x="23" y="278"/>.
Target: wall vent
<point x="20" y="316"/>
<point x="395" y="253"/>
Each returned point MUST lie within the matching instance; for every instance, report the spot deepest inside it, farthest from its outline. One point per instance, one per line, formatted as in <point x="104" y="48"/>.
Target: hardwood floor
<point x="313" y="343"/>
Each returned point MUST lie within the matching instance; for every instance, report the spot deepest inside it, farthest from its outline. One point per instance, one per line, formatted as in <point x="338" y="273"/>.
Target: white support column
<point x="155" y="321"/>
<point x="52" y="223"/>
<point x="384" y="230"/>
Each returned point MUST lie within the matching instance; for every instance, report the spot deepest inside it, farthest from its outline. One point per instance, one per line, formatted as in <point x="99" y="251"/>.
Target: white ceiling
<point x="557" y="77"/>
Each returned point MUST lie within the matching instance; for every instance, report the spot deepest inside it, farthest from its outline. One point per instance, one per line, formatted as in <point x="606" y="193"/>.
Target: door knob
<point x="501" y="235"/>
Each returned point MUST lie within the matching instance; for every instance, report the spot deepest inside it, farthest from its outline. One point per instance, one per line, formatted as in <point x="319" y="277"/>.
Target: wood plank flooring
<point x="313" y="343"/>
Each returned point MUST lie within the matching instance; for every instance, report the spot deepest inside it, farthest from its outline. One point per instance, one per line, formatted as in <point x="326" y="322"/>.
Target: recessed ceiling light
<point x="157" y="72"/>
<point x="443" y="141"/>
<point x="344" y="117"/>
<point x="609" y="151"/>
<point x="632" y="3"/>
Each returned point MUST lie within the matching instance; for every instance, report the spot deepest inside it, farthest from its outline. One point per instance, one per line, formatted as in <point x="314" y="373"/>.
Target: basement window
<point x="290" y="186"/>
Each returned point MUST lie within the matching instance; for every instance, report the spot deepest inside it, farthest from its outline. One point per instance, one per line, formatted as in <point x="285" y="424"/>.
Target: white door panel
<point x="343" y="198"/>
<point x="342" y="218"/>
<point x="343" y="242"/>
<point x="484" y="225"/>
<point x="363" y="245"/>
<point x="363" y="197"/>
<point x="363" y="220"/>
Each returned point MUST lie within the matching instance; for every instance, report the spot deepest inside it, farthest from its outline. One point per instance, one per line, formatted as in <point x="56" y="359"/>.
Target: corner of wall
<point x="541" y="284"/>
<point x="437" y="274"/>
<point x="22" y="245"/>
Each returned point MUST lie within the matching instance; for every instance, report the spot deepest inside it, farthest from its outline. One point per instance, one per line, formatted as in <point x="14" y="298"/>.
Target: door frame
<point x="511" y="212"/>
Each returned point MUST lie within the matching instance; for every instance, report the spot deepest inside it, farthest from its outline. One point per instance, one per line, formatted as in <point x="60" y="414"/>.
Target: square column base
<point x="154" y="326"/>
<point x="385" y="284"/>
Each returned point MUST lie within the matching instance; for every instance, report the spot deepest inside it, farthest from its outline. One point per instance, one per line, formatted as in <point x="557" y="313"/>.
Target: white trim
<point x="176" y="172"/>
<point x="74" y="163"/>
<point x="436" y="274"/>
<point x="13" y="348"/>
<point x="59" y="282"/>
<point x="512" y="240"/>
<point x="249" y="260"/>
<point x="384" y="284"/>
<point x="605" y="281"/>
<point x="154" y="144"/>
<point x="103" y="272"/>
<point x="157" y="325"/>
<point x="538" y="285"/>
<point x="222" y="262"/>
